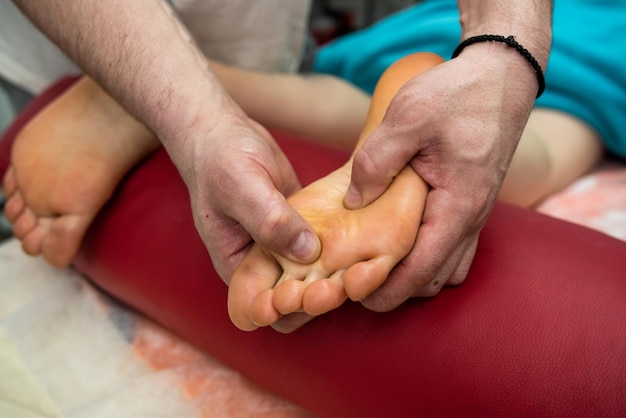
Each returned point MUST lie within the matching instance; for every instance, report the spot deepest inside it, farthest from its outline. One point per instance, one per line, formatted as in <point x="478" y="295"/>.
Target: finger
<point x="394" y="142"/>
<point x="226" y="253"/>
<point x="275" y="225"/>
<point x="453" y="271"/>
<point x="291" y="322"/>
<point x="462" y="270"/>
<point x="443" y="251"/>
<point x="374" y="167"/>
<point x="407" y="278"/>
<point x="281" y="229"/>
<point x="416" y="276"/>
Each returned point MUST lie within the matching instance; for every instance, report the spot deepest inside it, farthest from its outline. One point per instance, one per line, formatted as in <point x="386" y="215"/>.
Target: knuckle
<point x="431" y="288"/>
<point x="378" y="303"/>
<point x="426" y="281"/>
<point x="366" y="163"/>
<point x="470" y="212"/>
<point x="456" y="280"/>
<point x="272" y="225"/>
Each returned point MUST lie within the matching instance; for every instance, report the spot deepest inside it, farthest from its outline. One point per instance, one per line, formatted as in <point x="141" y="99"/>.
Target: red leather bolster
<point x="538" y="329"/>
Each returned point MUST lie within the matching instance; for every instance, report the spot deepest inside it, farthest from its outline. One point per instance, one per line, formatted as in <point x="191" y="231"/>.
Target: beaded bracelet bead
<point x="511" y="42"/>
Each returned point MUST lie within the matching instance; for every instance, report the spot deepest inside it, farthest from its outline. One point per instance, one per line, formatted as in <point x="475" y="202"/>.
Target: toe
<point x="31" y="243"/>
<point x="288" y="296"/>
<point x="14" y="206"/>
<point x="262" y="311"/>
<point x="24" y="223"/>
<point x="9" y="185"/>
<point x="256" y="274"/>
<point x="365" y="277"/>
<point x="63" y="239"/>
<point x="324" y="295"/>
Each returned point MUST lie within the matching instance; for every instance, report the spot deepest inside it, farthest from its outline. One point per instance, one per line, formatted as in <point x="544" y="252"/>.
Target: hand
<point x="238" y="178"/>
<point x="457" y="125"/>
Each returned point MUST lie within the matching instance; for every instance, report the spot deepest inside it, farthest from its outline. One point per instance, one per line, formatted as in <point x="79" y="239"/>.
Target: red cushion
<point x="538" y="329"/>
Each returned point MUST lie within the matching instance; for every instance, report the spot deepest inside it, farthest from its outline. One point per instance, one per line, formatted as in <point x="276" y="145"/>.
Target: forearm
<point x="139" y="52"/>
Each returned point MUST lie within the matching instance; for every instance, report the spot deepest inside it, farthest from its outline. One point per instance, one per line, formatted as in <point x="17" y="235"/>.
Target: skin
<point x="225" y="158"/>
<point x="459" y="136"/>
<point x="267" y="289"/>
<point x="68" y="160"/>
<point x="359" y="247"/>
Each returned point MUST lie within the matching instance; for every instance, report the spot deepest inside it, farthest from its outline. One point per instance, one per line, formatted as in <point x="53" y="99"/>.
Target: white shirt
<point x="266" y="35"/>
<point x="27" y="58"/>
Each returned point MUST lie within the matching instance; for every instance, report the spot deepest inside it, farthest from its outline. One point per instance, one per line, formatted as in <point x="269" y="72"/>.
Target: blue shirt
<point x="585" y="76"/>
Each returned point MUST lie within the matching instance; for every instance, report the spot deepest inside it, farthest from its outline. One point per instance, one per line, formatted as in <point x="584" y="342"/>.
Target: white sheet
<point x="66" y="350"/>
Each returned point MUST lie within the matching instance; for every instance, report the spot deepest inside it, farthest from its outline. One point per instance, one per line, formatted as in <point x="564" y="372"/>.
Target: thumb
<point x="277" y="226"/>
<point x="389" y="131"/>
<point x="374" y="167"/>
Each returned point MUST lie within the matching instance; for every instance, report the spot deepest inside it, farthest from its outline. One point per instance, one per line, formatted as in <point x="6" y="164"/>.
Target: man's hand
<point x="238" y="178"/>
<point x="458" y="126"/>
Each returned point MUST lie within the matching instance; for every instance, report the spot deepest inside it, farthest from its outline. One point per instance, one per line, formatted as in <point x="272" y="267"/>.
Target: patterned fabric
<point x="597" y="201"/>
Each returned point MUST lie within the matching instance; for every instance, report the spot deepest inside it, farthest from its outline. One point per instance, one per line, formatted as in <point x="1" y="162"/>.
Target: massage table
<point x="538" y="328"/>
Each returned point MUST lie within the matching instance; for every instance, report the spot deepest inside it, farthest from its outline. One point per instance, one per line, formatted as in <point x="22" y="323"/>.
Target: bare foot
<point x="359" y="247"/>
<point x="65" y="164"/>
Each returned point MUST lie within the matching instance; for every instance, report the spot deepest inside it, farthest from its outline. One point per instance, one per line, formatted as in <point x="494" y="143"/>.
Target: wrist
<point x="502" y="68"/>
<point x="510" y="42"/>
<point x="529" y="22"/>
<point x="188" y="113"/>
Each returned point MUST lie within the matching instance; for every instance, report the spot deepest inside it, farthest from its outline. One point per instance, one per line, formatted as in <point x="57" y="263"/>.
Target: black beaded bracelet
<point x="511" y="42"/>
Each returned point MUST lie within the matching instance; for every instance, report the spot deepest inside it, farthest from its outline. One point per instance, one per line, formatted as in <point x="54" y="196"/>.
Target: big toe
<point x="63" y="239"/>
<point x="255" y="276"/>
<point x="262" y="311"/>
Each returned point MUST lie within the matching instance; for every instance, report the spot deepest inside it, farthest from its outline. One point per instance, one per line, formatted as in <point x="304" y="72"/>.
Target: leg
<point x="322" y="108"/>
<point x="65" y="164"/>
<point x="68" y="160"/>
<point x="555" y="149"/>
<point x="359" y="247"/>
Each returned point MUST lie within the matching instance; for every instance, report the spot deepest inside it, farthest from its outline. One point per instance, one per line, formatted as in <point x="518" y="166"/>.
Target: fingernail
<point x="353" y="198"/>
<point x="306" y="246"/>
